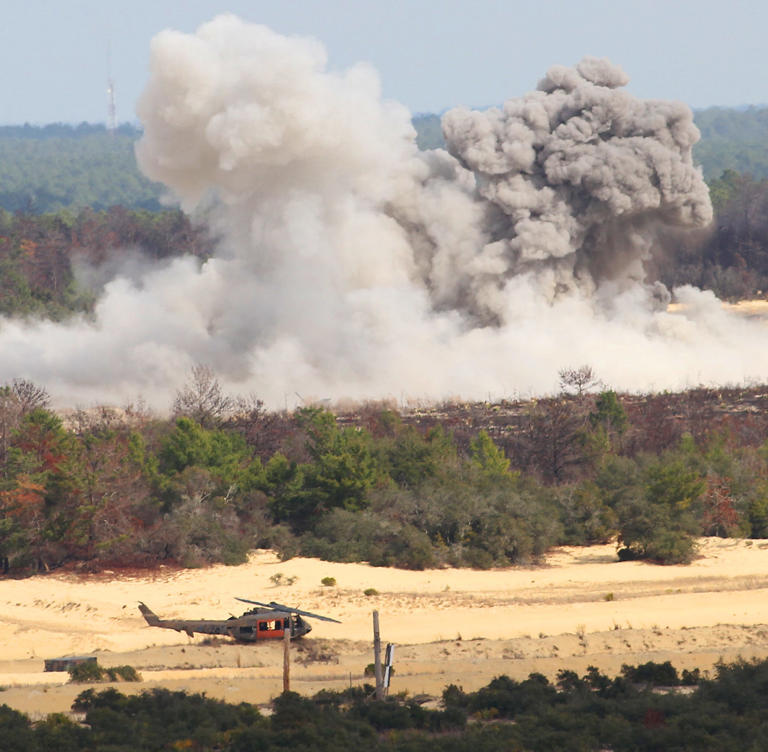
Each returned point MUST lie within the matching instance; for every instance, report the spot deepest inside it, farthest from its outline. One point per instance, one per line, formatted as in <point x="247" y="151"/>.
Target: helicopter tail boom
<point x="149" y="615"/>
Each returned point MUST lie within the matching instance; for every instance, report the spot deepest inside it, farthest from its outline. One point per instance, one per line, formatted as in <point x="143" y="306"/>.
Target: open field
<point x="580" y="607"/>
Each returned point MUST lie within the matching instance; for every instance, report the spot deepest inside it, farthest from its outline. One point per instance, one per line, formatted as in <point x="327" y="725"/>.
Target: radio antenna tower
<point x="111" y="108"/>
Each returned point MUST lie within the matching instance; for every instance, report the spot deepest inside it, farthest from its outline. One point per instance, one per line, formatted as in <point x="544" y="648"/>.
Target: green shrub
<point x="328" y="582"/>
<point x="690" y="678"/>
<point x="279" y="579"/>
<point x="89" y="671"/>
<point x="477" y="558"/>
<point x="656" y="674"/>
<point x="123" y="673"/>
<point x="659" y="522"/>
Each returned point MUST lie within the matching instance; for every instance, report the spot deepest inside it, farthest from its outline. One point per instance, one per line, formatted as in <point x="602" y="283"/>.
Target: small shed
<point x="63" y="664"/>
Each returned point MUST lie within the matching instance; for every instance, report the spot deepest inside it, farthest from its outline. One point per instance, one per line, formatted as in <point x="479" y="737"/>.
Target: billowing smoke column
<point x="579" y="175"/>
<point x="353" y="265"/>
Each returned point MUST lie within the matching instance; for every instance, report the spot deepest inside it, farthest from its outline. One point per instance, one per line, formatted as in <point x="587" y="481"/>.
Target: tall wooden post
<point x="286" y="656"/>
<point x="377" y="657"/>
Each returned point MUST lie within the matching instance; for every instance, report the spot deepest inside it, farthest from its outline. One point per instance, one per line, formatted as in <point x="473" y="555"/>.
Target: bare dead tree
<point x="581" y="379"/>
<point x="202" y="398"/>
<point x="248" y="405"/>
<point x="98" y="421"/>
<point x="29" y="396"/>
<point x="10" y="415"/>
<point x="264" y="431"/>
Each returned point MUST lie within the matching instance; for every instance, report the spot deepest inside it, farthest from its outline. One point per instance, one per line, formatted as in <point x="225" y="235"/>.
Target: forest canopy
<point x="469" y="485"/>
<point x="58" y="166"/>
<point x="54" y="167"/>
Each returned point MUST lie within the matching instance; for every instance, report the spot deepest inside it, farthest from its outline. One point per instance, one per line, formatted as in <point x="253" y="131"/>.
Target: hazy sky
<point x="430" y="54"/>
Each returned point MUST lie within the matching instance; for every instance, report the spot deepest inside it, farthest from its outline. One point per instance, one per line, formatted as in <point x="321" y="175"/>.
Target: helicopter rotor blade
<point x="288" y="609"/>
<point x="255" y="603"/>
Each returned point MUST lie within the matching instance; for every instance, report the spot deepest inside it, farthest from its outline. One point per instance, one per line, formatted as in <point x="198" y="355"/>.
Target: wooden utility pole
<point x="377" y="657"/>
<point x="286" y="657"/>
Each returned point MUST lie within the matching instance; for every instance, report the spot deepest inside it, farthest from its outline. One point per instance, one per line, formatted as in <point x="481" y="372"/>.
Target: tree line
<point x="730" y="257"/>
<point x="58" y="166"/>
<point x="224" y="476"/>
<point x="39" y="253"/>
<point x="732" y="139"/>
<point x="49" y="168"/>
<point x="637" y="711"/>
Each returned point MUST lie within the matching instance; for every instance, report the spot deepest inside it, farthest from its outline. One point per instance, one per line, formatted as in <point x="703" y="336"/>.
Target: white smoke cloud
<point x="354" y="266"/>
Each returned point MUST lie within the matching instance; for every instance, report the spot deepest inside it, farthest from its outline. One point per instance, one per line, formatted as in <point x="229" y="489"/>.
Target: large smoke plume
<point x="353" y="265"/>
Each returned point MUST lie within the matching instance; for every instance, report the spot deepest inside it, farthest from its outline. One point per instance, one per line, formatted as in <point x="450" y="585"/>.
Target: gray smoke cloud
<point x="579" y="176"/>
<point x="354" y="266"/>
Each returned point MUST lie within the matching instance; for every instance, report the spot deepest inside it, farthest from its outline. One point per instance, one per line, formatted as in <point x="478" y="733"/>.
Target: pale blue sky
<point x="430" y="54"/>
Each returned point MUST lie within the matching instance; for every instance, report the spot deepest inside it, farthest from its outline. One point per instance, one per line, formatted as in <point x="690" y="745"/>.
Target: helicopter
<point x="268" y="621"/>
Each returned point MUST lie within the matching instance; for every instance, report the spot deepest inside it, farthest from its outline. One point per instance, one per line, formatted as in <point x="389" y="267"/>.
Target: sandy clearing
<point x="580" y="607"/>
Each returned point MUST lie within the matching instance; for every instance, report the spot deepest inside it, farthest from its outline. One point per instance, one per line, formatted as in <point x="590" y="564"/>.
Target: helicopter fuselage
<point x="252" y="626"/>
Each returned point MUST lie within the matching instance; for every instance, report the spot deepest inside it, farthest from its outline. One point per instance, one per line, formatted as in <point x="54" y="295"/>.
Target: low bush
<point x="655" y="674"/>
<point x="90" y="671"/>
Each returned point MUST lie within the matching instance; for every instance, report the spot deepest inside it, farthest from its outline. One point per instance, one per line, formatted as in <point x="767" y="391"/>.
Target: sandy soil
<point x="749" y="309"/>
<point x="581" y="607"/>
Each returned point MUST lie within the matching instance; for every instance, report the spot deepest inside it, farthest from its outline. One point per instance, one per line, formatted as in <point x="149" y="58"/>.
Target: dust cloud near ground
<point x="579" y="607"/>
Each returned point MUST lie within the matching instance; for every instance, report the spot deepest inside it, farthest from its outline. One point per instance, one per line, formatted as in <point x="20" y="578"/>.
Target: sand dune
<point x="580" y="607"/>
